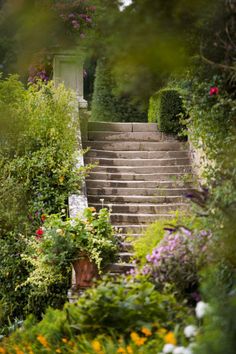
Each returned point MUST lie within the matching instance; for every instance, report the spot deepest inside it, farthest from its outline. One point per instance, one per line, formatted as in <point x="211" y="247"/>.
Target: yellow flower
<point x="2" y="350"/>
<point x="121" y="351"/>
<point x="61" y="179"/>
<point x="64" y="340"/>
<point x="92" y="209"/>
<point x="96" y="346"/>
<point x="170" y="338"/>
<point x="42" y="340"/>
<point x="58" y="350"/>
<point x="146" y="332"/>
<point x="134" y="336"/>
<point x="161" y="332"/>
<point x="129" y="350"/>
<point x="137" y="340"/>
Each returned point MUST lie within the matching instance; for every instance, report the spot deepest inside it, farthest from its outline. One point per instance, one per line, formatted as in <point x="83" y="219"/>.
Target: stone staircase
<point x="141" y="175"/>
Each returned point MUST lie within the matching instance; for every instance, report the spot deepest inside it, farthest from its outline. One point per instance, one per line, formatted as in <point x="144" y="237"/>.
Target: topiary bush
<point x="165" y="108"/>
<point x="111" y="107"/>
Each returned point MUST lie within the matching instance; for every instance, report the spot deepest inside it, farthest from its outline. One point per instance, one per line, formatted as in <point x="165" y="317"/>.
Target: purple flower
<point x="71" y="16"/>
<point x="146" y="270"/>
<point x="75" y="24"/>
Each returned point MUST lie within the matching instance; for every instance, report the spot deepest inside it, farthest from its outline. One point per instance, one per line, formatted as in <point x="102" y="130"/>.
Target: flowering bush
<point x="60" y="242"/>
<point x="125" y="316"/>
<point x="76" y="17"/>
<point x="178" y="258"/>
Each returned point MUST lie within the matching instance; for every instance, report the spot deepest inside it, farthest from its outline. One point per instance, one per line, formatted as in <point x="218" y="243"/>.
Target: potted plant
<point x="88" y="243"/>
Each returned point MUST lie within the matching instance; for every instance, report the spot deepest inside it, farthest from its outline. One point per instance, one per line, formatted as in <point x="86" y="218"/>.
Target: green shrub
<point x="106" y="105"/>
<point x="165" y="108"/>
<point x="128" y="309"/>
<point x="38" y="140"/>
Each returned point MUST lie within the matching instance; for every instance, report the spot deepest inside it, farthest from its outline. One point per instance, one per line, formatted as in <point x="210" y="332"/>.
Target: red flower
<point x="39" y="232"/>
<point x="214" y="90"/>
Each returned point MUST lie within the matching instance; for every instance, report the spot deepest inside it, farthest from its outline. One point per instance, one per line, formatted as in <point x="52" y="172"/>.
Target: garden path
<point x="142" y="175"/>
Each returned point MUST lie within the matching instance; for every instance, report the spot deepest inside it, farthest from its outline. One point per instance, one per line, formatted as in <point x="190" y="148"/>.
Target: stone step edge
<point x="135" y="159"/>
<point x="140" y="204"/>
<point x="132" y="181"/>
<point x="128" y="151"/>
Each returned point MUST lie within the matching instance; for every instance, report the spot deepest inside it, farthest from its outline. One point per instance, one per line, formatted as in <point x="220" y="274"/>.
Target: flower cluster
<point x="59" y="242"/>
<point x="76" y="15"/>
<point x="38" y="73"/>
<point x="176" y="259"/>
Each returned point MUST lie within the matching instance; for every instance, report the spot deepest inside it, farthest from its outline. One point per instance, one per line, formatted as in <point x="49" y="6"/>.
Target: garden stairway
<point x="141" y="175"/>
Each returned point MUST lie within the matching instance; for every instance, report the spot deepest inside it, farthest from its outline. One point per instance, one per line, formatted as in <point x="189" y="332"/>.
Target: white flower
<point x="59" y="231"/>
<point x="168" y="348"/>
<point x="190" y="331"/>
<point x="188" y="351"/>
<point x="179" y="350"/>
<point x="201" y="309"/>
<point x="124" y="4"/>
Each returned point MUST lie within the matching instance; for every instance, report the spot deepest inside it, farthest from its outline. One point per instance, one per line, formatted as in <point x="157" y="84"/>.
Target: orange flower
<point x="121" y="351"/>
<point x="42" y="340"/>
<point x="2" y="350"/>
<point x="18" y="351"/>
<point x="170" y="338"/>
<point x="129" y="350"/>
<point x="146" y="332"/>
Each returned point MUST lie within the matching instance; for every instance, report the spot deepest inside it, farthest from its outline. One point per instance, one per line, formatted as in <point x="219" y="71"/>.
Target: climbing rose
<point x="214" y="91"/>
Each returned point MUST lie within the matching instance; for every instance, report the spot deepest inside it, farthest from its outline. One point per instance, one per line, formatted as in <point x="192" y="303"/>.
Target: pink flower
<point x="214" y="91"/>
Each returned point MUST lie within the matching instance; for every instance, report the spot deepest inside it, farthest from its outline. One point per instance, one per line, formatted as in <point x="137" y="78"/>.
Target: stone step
<point x="140" y="177"/>
<point x="136" y="145"/>
<point x="120" y="268"/>
<point x="135" y="184"/>
<point x="126" y="246"/>
<point x="138" y="218"/>
<point x="130" y="136"/>
<point x="125" y="257"/>
<point x="130" y="230"/>
<point x="160" y="192"/>
<point x="122" y="127"/>
<point x="137" y="154"/>
<point x="137" y="162"/>
<point x="147" y="208"/>
<point x="143" y="169"/>
<point x="134" y="199"/>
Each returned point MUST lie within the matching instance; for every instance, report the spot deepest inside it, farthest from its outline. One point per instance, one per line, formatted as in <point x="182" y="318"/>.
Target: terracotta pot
<point x="85" y="271"/>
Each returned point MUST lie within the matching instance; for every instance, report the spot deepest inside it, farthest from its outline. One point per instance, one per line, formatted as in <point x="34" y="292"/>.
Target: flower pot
<point x="85" y="271"/>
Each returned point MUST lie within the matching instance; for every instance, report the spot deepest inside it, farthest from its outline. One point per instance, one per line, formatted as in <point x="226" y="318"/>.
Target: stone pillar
<point x="68" y="69"/>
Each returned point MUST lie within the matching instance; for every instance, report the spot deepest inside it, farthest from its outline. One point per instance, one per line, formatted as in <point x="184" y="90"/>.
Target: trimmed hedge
<point x="164" y="108"/>
<point x="106" y="106"/>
